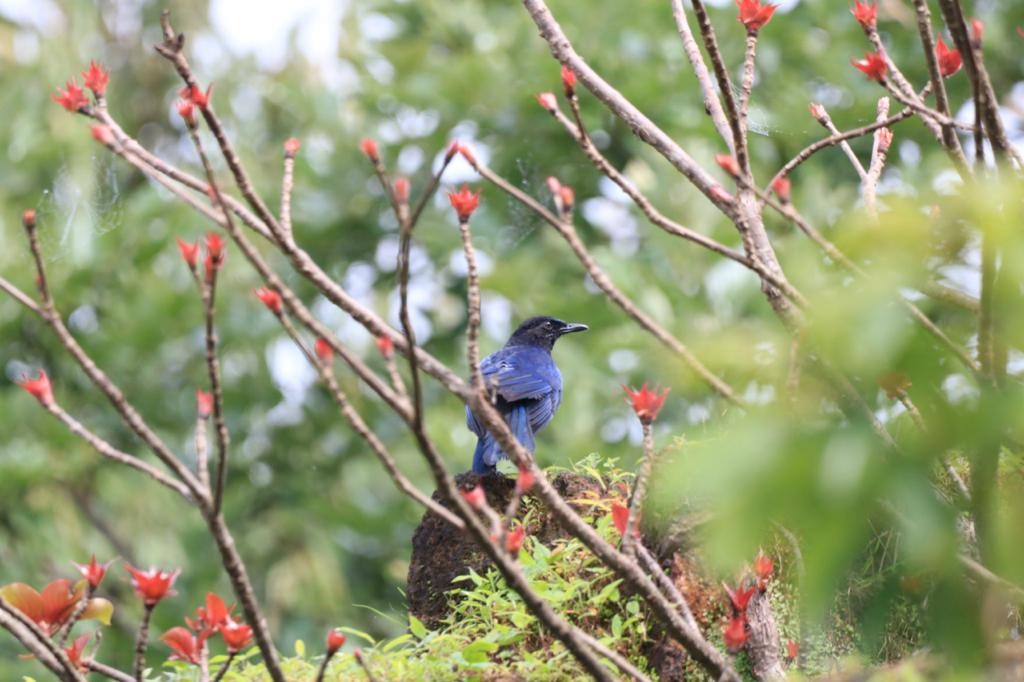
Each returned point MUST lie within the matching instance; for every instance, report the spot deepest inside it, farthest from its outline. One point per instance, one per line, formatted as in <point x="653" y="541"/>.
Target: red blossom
<point x="204" y="403"/>
<point x="977" y="31"/>
<point x="866" y="14"/>
<point x="270" y="298"/>
<point x="152" y="585"/>
<point x="873" y="66"/>
<point x="369" y="148"/>
<point x="568" y="197"/>
<point x="28" y="217"/>
<point x="475" y="497"/>
<point x="514" y="540"/>
<point x="620" y="518"/>
<point x="184" y="645"/>
<point x="187" y="111"/>
<point x="402" y="190"/>
<point x="464" y="202"/>
<point x="792" y="650"/>
<point x="740" y="598"/>
<point x="102" y="134"/>
<point x="323" y="350"/>
<point x="71" y="98"/>
<point x="39" y="387"/>
<point x="568" y="80"/>
<point x="727" y="162"/>
<point x="386" y="345"/>
<point x="96" y="79"/>
<point x="645" y="402"/>
<point x="754" y="14"/>
<point x="547" y="101"/>
<point x="214" y="255"/>
<point x="195" y="95"/>
<point x="52" y="608"/>
<point x="291" y="146"/>
<point x="75" y="651"/>
<point x="94" y="571"/>
<point x="735" y="633"/>
<point x="782" y="188"/>
<point x="236" y="635"/>
<point x="525" y="480"/>
<point x="950" y="61"/>
<point x="335" y="640"/>
<point x="189" y="253"/>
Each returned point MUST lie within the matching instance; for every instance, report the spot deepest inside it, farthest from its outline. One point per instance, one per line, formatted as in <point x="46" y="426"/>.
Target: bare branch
<point x="712" y="103"/>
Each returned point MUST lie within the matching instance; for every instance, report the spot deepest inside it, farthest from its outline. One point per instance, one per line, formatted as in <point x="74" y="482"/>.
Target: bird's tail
<point x="488" y="451"/>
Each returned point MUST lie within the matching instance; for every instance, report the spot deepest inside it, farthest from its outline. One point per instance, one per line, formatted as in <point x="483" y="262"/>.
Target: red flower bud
<point x="71" y="98"/>
<point x="728" y="163"/>
<point x="270" y="298"/>
<point x="102" y="134"/>
<point x="204" y="403"/>
<point x="475" y="497"/>
<point x="792" y="650"/>
<point x="885" y="136"/>
<point x="873" y="66"/>
<point x="865" y="14"/>
<point x="195" y="95"/>
<point x="740" y="598"/>
<point x="568" y="80"/>
<point x="818" y="112"/>
<point x="782" y="188"/>
<point x="93" y="571"/>
<point x="28" y="217"/>
<point x="75" y="651"/>
<point x="568" y="197"/>
<point x="514" y="540"/>
<point x="620" y="518"/>
<point x="402" y="190"/>
<point x="735" y="633"/>
<point x="39" y="388"/>
<point x="187" y="111"/>
<point x="547" y="100"/>
<point x="152" y="585"/>
<point x="464" y="202"/>
<point x="189" y="253"/>
<point x="754" y="15"/>
<point x="323" y="350"/>
<point x="96" y="79"/>
<point x="977" y="30"/>
<point x="385" y="345"/>
<point x="525" y="480"/>
<point x="237" y="636"/>
<point x="645" y="402"/>
<point x="291" y="146"/>
<point x="369" y="149"/>
<point x="949" y="60"/>
<point x="214" y="254"/>
<point x="335" y="640"/>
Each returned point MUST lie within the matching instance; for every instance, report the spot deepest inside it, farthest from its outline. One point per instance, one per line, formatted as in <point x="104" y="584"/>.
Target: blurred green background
<point x="325" y="534"/>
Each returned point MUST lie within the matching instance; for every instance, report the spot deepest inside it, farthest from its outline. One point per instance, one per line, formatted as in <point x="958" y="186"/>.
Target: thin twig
<point x="924" y="27"/>
<point x="639" y="492"/>
<point x="287" y="186"/>
<point x="712" y="103"/>
<point x="142" y="642"/>
<point x="224" y="668"/>
<point x="109" y="672"/>
<point x="879" y="153"/>
<point x="26" y="631"/>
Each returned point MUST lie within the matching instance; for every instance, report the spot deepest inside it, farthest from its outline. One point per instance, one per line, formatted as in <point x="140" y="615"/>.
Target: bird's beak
<point x="573" y="327"/>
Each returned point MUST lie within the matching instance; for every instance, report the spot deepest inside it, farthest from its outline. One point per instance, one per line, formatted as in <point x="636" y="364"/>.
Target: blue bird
<point x="525" y="385"/>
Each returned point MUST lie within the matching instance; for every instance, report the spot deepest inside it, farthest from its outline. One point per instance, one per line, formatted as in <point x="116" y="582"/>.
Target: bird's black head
<point x="543" y="332"/>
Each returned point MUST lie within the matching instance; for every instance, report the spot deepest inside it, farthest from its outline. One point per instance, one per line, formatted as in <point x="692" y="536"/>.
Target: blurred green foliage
<point x="325" y="534"/>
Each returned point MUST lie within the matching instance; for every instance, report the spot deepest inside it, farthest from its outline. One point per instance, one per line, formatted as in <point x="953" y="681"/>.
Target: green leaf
<point x="300" y="648"/>
<point x="478" y="651"/>
<point x="416" y="627"/>
<point x="99" y="609"/>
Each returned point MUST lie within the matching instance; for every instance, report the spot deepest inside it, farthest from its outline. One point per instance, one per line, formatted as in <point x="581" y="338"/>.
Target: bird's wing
<point x="520" y="373"/>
